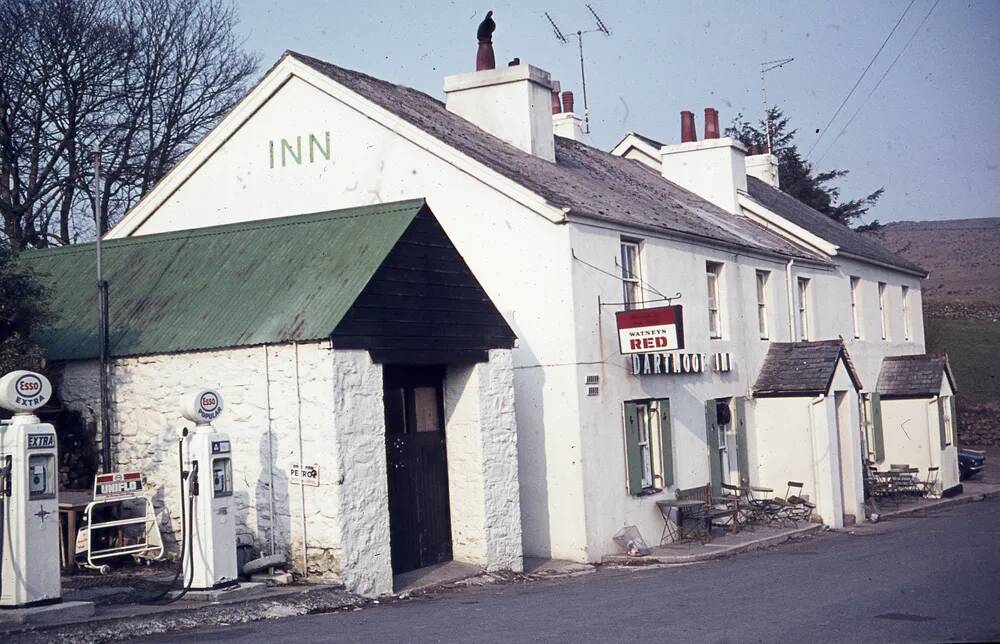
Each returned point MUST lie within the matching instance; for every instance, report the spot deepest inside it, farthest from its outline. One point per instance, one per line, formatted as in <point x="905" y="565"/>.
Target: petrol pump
<point x="207" y="482"/>
<point x="29" y="503"/>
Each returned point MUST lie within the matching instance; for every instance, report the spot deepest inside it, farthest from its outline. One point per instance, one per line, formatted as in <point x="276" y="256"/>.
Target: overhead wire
<point x="860" y="78"/>
<point x="888" y="69"/>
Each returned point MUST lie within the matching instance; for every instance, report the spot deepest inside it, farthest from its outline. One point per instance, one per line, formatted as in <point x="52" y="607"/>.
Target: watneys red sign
<point x="648" y="330"/>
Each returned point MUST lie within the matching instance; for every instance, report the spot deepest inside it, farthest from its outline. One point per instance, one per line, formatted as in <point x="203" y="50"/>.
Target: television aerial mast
<point x="765" y="67"/>
<point x="599" y="28"/>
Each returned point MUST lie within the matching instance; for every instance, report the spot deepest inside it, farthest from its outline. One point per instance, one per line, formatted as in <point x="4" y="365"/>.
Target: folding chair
<point x="928" y="487"/>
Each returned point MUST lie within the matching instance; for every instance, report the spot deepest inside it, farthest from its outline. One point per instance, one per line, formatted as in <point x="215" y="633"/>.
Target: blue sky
<point x="928" y="134"/>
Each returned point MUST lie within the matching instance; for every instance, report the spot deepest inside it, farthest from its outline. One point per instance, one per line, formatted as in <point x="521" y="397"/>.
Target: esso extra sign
<point x="24" y="391"/>
<point x="202" y="407"/>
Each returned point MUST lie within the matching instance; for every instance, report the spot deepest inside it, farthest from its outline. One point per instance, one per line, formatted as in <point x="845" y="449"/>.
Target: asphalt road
<point x="934" y="578"/>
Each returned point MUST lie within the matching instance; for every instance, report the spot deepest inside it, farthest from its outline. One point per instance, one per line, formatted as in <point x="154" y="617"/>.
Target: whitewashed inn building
<point x="561" y="236"/>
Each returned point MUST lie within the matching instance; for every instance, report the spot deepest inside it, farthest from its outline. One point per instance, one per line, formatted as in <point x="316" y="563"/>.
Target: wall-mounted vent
<point x="593" y="380"/>
<point x="593" y="391"/>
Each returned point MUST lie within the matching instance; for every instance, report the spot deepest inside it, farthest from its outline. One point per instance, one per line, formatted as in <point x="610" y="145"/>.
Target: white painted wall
<point x="343" y="432"/>
<point x="797" y="439"/>
<point x="911" y="430"/>
<point x="481" y="435"/>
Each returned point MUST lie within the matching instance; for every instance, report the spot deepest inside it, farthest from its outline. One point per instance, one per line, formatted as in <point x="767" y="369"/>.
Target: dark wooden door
<point x="419" y="510"/>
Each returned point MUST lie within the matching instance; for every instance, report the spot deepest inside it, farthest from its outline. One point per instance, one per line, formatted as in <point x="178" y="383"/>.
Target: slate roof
<point x="584" y="181"/>
<point x="913" y="376"/>
<point x="817" y="223"/>
<point x="802" y="368"/>
<point x="266" y="281"/>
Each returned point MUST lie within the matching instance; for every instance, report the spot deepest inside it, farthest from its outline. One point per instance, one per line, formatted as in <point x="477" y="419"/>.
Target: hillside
<point x="961" y="310"/>
<point x="961" y="255"/>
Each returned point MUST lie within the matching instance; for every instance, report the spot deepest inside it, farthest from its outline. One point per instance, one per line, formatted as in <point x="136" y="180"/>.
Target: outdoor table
<point x="71" y="504"/>
<point x="682" y="506"/>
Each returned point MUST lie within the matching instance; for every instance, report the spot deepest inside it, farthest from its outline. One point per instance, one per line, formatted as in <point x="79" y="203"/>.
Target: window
<point x="803" y="308"/>
<point x="855" y="310"/>
<point x="762" y="279"/>
<point x="714" y="273"/>
<point x="906" y="313"/>
<point x="883" y="311"/>
<point x="649" y="461"/>
<point x="645" y="457"/>
<point x="631" y="282"/>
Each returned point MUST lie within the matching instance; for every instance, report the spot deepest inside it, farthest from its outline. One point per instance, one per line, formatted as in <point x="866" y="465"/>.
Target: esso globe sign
<point x="202" y="407"/>
<point x="24" y="391"/>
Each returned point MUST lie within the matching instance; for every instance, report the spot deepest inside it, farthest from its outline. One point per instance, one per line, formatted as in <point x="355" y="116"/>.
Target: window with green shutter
<point x="649" y="459"/>
<point x="878" y="441"/>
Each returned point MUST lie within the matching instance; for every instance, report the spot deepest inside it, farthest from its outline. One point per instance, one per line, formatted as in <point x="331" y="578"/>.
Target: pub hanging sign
<point x="650" y="330"/>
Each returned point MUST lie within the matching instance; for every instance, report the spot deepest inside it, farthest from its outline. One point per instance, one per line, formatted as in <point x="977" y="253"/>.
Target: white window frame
<point x="883" y="310"/>
<point x="905" y="291"/>
<point x="645" y="413"/>
<point x="856" y="307"/>
<point x="761" y="280"/>
<point x="630" y="255"/>
<point x="803" y="288"/>
<point x="949" y="422"/>
<point x="713" y="277"/>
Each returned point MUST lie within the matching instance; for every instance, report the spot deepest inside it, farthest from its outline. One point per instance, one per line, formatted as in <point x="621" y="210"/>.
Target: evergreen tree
<point x="22" y="310"/>
<point x="798" y="177"/>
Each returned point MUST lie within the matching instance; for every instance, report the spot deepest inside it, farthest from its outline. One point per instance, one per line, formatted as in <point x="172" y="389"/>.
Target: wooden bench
<point x="709" y="513"/>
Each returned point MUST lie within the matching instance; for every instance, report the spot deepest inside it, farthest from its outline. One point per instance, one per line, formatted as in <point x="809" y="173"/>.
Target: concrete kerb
<point x="976" y="493"/>
<point x="718" y="553"/>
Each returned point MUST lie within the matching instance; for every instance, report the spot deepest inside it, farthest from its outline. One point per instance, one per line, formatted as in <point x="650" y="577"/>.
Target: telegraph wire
<point x="889" y="69"/>
<point x="860" y="78"/>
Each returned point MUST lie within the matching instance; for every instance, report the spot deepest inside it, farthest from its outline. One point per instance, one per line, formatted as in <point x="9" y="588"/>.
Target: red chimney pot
<point x="567" y="101"/>
<point x="556" y="106"/>
<point x="711" y="123"/>
<point x="688" y="133"/>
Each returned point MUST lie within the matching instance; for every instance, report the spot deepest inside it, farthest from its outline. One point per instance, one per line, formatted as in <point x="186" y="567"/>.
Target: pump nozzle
<point x="5" y="470"/>
<point x="193" y="479"/>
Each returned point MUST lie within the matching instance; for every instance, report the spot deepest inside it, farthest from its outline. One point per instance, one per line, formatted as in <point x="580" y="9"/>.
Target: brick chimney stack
<point x="688" y="133"/>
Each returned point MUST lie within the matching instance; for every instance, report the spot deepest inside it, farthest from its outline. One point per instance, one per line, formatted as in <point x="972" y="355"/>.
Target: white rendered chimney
<point x="511" y="103"/>
<point x="764" y="167"/>
<point x="713" y="169"/>
<point x="569" y="126"/>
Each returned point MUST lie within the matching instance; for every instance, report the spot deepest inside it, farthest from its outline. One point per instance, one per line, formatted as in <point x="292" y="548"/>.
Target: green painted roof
<point x="266" y="281"/>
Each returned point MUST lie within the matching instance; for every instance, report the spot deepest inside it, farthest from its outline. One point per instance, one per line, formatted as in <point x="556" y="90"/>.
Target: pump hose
<point x="186" y="549"/>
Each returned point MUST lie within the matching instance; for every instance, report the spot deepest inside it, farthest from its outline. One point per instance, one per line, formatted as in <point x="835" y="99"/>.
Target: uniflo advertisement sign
<point x="650" y="330"/>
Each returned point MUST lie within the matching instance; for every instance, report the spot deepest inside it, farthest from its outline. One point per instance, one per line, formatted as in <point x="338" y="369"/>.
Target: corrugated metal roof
<point x="273" y="280"/>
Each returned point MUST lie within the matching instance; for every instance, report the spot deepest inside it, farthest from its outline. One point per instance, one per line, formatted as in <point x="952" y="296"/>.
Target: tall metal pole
<point x="102" y="318"/>
<point x="583" y="81"/>
<point x="765" y="67"/>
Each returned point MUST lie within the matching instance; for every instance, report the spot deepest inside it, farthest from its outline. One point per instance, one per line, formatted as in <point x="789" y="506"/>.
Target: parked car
<point x="970" y="462"/>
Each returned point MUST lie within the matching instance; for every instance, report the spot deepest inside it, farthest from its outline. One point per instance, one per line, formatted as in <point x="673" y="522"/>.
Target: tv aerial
<point x="765" y="67"/>
<point x="599" y="27"/>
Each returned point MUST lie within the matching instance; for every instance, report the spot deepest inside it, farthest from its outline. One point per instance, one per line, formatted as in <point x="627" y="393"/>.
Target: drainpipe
<point x="812" y="439"/>
<point x="270" y="455"/>
<point x="791" y="300"/>
<point x="302" y="488"/>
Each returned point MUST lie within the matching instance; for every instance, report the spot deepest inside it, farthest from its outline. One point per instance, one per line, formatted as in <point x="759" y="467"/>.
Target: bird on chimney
<point x="486" y="28"/>
<point x="484" y="55"/>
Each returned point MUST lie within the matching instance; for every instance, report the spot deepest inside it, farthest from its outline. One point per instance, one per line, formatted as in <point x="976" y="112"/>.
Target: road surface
<point x="932" y="578"/>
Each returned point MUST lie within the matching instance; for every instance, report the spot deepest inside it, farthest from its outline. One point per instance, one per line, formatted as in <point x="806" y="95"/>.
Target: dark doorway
<point x="419" y="511"/>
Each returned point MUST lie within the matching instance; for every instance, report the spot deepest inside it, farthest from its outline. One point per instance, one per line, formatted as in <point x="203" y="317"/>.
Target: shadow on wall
<point x="281" y="522"/>
<point x="532" y="464"/>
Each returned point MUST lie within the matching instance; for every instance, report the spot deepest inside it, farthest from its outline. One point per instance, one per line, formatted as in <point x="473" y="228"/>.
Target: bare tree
<point x="142" y="79"/>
